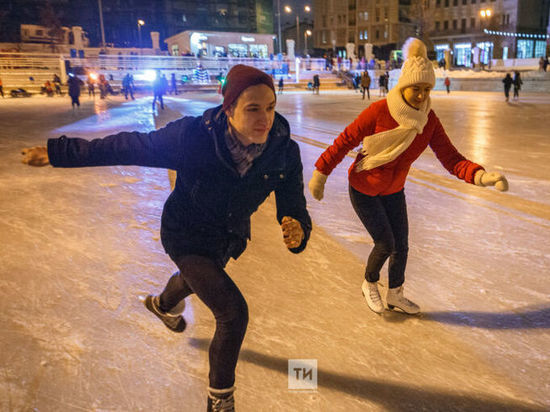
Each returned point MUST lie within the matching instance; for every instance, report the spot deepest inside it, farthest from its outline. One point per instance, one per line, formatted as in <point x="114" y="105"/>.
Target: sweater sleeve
<point x="350" y="138"/>
<point x="450" y="157"/>
<point x="160" y="148"/>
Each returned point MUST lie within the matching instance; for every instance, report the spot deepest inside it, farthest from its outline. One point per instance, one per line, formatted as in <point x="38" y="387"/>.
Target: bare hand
<point x="292" y="232"/>
<point x="35" y="156"/>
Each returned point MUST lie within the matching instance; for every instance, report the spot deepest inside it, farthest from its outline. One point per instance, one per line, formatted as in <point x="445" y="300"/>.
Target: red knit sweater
<point x="390" y="177"/>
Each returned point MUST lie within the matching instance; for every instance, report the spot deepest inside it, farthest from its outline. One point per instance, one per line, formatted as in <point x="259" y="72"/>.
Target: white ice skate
<point x="372" y="296"/>
<point x="395" y="299"/>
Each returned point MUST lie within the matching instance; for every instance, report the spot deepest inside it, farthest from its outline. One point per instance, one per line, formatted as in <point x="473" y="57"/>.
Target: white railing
<point x="177" y="63"/>
<point x="29" y="62"/>
<point x="18" y="68"/>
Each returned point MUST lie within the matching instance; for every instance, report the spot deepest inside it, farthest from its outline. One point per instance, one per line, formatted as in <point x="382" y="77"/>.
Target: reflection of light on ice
<point x="481" y="138"/>
<point x="119" y="118"/>
<point x="148" y="75"/>
<point x="100" y="107"/>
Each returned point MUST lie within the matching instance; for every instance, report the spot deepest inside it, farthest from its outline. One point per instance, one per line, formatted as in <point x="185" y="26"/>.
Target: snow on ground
<point x="490" y="74"/>
<point x="81" y="246"/>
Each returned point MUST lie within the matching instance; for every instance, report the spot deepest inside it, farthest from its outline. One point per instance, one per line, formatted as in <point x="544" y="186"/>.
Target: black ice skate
<point x="175" y="323"/>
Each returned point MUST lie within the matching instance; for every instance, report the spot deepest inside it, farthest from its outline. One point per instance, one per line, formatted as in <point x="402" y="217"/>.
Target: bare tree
<point x="51" y="20"/>
<point x="421" y="17"/>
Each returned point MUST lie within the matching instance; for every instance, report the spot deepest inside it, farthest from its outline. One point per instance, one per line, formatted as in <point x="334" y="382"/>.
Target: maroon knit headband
<point x="241" y="77"/>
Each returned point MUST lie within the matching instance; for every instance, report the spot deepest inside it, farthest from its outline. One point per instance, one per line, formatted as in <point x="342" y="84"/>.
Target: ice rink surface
<point x="80" y="247"/>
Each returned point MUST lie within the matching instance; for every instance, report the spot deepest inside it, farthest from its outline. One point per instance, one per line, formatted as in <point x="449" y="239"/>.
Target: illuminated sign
<point x="246" y="38"/>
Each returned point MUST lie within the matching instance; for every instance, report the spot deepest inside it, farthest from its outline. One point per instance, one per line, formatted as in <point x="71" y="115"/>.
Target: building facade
<point x="476" y="31"/>
<point x="220" y="44"/>
<point x="31" y="33"/>
<point x="381" y="24"/>
<point x="120" y="17"/>
<point x="483" y="29"/>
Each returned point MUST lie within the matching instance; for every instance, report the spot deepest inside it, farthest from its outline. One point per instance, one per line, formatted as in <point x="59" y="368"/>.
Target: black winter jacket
<point x="208" y="213"/>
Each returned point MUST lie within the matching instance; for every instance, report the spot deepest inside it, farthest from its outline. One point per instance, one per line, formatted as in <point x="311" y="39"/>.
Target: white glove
<point x="483" y="178"/>
<point x="317" y="184"/>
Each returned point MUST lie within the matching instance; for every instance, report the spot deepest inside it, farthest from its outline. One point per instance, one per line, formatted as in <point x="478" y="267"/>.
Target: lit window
<point x="525" y="49"/>
<point x="540" y="48"/>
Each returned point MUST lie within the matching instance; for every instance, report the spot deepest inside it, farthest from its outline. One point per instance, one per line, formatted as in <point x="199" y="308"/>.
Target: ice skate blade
<point x="399" y="310"/>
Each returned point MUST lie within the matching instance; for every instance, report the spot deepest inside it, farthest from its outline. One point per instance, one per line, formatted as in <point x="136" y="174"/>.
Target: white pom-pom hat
<point x="416" y="68"/>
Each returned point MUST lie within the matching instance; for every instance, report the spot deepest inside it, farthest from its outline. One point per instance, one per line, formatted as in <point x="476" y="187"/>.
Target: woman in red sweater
<point x="394" y="132"/>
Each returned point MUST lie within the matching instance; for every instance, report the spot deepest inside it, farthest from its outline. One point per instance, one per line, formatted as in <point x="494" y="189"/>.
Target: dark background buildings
<point x="168" y="17"/>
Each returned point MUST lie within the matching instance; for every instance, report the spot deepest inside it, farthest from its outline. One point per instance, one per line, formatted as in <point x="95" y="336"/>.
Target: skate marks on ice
<point x="309" y="306"/>
<point x="535" y="316"/>
<point x="388" y="394"/>
<point x="529" y="317"/>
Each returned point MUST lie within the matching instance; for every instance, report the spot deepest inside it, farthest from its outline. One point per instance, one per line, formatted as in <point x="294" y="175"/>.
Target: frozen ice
<point x="81" y="246"/>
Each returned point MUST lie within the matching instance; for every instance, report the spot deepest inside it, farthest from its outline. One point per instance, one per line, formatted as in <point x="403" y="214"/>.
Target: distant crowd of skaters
<point x="361" y="82"/>
<point x="161" y="86"/>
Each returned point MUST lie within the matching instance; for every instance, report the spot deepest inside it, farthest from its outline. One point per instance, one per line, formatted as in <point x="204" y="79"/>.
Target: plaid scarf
<point x="243" y="156"/>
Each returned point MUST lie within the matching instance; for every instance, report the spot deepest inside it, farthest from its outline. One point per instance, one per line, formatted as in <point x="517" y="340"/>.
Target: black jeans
<point x="75" y="101"/>
<point x="159" y="97"/>
<point x="385" y="218"/>
<point x="209" y="281"/>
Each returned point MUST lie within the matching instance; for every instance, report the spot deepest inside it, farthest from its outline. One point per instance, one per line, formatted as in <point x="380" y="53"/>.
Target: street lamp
<point x="485" y="22"/>
<point x="288" y="9"/>
<point x="486" y="13"/>
<point x="279" y="24"/>
<point x="101" y="24"/>
<point x="307" y="33"/>
<point x="140" y="23"/>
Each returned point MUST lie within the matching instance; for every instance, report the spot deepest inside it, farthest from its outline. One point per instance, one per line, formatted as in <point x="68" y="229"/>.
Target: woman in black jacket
<point x="228" y="161"/>
<point x="508" y="81"/>
<point x="517" y="84"/>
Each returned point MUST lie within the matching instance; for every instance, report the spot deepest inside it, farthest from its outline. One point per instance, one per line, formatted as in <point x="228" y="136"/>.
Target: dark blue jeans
<point x="159" y="98"/>
<point x="385" y="218"/>
<point x="209" y="281"/>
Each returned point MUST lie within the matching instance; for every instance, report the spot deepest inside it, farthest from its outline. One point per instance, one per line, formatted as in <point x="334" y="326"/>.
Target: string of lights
<point x="523" y="35"/>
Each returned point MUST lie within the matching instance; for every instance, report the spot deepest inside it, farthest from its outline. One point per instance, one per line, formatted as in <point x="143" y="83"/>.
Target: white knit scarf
<point x="383" y="147"/>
